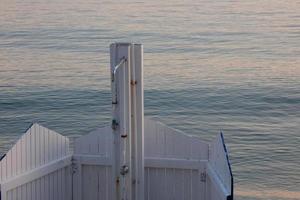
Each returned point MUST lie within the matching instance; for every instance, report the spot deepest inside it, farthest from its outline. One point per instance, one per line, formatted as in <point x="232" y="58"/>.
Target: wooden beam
<point x="174" y="163"/>
<point x="92" y="160"/>
<point x="35" y="173"/>
<point x="128" y="121"/>
<point x="149" y="162"/>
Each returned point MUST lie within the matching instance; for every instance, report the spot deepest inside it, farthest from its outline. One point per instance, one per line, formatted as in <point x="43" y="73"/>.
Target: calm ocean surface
<point x="209" y="66"/>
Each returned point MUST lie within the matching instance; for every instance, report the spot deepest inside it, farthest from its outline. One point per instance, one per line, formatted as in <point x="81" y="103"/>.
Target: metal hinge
<point x="203" y="177"/>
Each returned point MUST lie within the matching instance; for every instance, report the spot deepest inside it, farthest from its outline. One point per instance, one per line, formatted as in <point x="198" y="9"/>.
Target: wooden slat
<point x="191" y="156"/>
<point x="173" y="163"/>
<point x="172" y="173"/>
<point x="96" y="182"/>
<point x="170" y="183"/>
<point x="97" y="142"/>
<point x="164" y="142"/>
<point x="82" y="159"/>
<point x="92" y="150"/>
<point x="139" y="124"/>
<point x="30" y="168"/>
<point x="36" y="173"/>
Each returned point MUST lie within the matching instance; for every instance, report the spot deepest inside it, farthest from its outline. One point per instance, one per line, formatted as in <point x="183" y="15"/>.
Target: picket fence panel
<point x="177" y="166"/>
<point x="93" y="166"/>
<point x="174" y="164"/>
<point x="37" y="167"/>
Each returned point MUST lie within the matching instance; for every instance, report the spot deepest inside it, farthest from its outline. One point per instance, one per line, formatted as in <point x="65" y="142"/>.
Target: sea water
<point x="210" y="66"/>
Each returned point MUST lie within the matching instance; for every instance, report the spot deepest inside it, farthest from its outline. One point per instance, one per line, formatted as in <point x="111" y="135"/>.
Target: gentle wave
<point x="269" y="194"/>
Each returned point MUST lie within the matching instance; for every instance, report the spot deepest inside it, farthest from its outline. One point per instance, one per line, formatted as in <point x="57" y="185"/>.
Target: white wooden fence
<point x="93" y="166"/>
<point x="177" y="166"/>
<point x="37" y="167"/>
<point x="174" y="164"/>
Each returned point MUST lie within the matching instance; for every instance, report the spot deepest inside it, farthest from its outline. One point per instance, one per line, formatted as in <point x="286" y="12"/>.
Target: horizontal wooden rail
<point x="35" y="173"/>
<point x="149" y="162"/>
<point x="92" y="160"/>
<point x="174" y="163"/>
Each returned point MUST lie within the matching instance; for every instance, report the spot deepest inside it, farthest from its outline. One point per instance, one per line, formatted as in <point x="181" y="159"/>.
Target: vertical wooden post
<point x="128" y="120"/>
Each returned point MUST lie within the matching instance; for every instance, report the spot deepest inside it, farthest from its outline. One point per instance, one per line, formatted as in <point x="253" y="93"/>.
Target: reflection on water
<point x="209" y="66"/>
<point x="274" y="194"/>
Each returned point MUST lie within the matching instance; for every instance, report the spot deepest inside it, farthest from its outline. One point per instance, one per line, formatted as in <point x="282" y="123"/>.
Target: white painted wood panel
<point x="174" y="162"/>
<point x="97" y="142"/>
<point x="175" y="170"/>
<point x="174" y="166"/>
<point x="92" y="160"/>
<point x="219" y="171"/>
<point x="173" y="184"/>
<point x="162" y="141"/>
<point x="96" y="182"/>
<point x="34" y="190"/>
<point x="39" y="155"/>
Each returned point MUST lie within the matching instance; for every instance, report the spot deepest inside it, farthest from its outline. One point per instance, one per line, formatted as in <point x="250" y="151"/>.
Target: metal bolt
<point x="132" y="82"/>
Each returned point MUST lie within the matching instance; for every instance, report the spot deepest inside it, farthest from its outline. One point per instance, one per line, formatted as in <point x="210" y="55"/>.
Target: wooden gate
<point x="37" y="167"/>
<point x="177" y="166"/>
<point x="174" y="164"/>
<point x="92" y="166"/>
